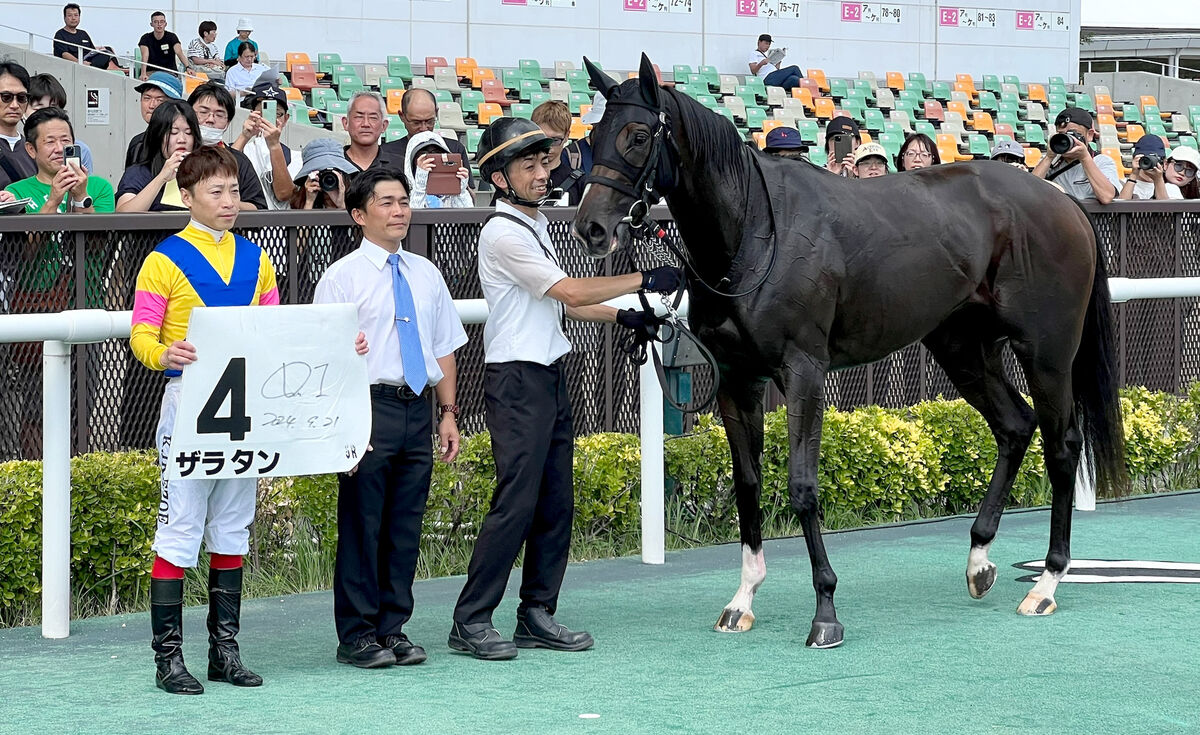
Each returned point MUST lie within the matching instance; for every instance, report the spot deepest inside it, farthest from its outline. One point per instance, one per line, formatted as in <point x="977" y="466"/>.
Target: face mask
<point x="210" y="136"/>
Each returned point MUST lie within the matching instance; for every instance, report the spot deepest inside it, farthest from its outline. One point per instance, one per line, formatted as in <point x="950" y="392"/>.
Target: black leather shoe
<point x="366" y="654"/>
<point x="537" y="628"/>
<point x="407" y="653"/>
<point x="166" y="623"/>
<point x="482" y="641"/>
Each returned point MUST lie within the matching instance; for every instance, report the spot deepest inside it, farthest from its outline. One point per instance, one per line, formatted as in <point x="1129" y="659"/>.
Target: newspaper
<point x="776" y="55"/>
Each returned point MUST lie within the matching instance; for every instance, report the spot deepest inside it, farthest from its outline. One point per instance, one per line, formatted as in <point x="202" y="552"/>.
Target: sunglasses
<point x="1181" y="167"/>
<point x="1009" y="159"/>
<point x="21" y="97"/>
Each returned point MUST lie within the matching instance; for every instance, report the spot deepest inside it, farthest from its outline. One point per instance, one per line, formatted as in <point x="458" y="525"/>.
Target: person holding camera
<point x="321" y="181"/>
<point x="842" y="138"/>
<point x="433" y="171"/>
<point x="62" y="183"/>
<point x="1181" y="171"/>
<point x="1075" y="166"/>
<point x="1148" y="178"/>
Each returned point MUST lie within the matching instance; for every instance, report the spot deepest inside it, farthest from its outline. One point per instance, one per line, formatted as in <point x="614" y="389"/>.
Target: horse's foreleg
<point x="741" y="406"/>
<point x="803" y="382"/>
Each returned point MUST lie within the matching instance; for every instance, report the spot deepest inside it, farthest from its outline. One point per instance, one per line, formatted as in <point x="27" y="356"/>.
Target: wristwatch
<point x="448" y="408"/>
<point x="87" y="202"/>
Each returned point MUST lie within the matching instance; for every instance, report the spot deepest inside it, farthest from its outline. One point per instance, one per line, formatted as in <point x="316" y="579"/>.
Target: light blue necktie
<point x="411" y="357"/>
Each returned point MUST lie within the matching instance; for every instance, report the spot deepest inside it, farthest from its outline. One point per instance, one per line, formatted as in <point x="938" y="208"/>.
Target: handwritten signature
<point x="292" y="379"/>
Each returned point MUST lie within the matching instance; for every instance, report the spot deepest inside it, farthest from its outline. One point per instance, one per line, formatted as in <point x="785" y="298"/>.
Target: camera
<point x="1148" y="161"/>
<point x="1060" y="143"/>
<point x="329" y="181"/>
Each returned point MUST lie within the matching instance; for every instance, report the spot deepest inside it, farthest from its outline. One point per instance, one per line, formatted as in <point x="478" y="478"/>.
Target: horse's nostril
<point x="596" y="234"/>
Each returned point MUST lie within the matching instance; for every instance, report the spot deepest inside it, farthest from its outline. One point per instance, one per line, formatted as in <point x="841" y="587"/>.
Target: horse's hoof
<point x="825" y="635"/>
<point x="981" y="581"/>
<point x="1037" y="605"/>
<point x="734" y="621"/>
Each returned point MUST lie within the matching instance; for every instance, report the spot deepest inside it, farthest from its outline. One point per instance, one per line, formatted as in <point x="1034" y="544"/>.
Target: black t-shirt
<point x="250" y="187"/>
<point x="161" y="52"/>
<point x="65" y="42"/>
<point x="139" y="177"/>
<point x="133" y="154"/>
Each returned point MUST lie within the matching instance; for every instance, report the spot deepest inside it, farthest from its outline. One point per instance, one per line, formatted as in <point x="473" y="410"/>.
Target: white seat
<point x="562" y="67"/>
<point x="775" y="96"/>
<point x="450" y="117"/>
<point x="729" y="84"/>
<point x="736" y="105"/>
<point x="560" y="90"/>
<point x="901" y="116"/>
<point x="794" y="108"/>
<point x="1034" y="112"/>
<point x="372" y="73"/>
<point x="885" y="99"/>
<point x="444" y="77"/>
<point x="870" y="77"/>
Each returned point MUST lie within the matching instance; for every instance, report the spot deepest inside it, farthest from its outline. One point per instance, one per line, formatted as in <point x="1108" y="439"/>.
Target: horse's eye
<point x="640" y="139"/>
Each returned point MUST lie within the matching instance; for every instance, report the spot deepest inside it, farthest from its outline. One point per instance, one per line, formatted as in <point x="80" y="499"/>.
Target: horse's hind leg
<point x="970" y="353"/>
<point x="741" y="403"/>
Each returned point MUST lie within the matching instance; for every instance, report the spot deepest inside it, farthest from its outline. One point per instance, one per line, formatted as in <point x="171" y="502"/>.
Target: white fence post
<point x="654" y="521"/>
<point x="56" y="489"/>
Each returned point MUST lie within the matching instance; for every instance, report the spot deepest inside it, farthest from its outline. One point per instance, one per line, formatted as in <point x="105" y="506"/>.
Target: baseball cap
<point x="1186" y="153"/>
<point x="244" y="24"/>
<point x="1008" y="148"/>
<point x="1076" y="115"/>
<point x="842" y="124"/>
<point x="1149" y="144"/>
<point x="264" y="89"/>
<point x="166" y="81"/>
<point x="783" y="139"/>
<point x="765" y="37"/>
<point x="868" y="150"/>
<point x="593" y="115"/>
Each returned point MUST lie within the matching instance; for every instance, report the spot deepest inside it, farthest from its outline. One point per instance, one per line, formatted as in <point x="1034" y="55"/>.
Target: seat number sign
<point x="275" y="391"/>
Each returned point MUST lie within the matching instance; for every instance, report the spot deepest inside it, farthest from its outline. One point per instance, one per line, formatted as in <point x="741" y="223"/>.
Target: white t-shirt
<point x="260" y="157"/>
<point x="363" y="278"/>
<point x="516" y="271"/>
<point x="1145" y="190"/>
<point x="766" y="68"/>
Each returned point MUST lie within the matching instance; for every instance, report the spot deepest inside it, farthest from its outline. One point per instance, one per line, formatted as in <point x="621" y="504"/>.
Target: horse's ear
<point x="601" y="81"/>
<point x="648" y="82"/>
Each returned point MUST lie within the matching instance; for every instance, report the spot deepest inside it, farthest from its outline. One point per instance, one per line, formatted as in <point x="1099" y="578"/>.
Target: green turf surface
<point x="920" y="656"/>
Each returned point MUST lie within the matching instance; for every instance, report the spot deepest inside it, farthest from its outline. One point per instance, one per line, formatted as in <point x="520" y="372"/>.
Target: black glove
<point x="639" y="320"/>
<point x="663" y="280"/>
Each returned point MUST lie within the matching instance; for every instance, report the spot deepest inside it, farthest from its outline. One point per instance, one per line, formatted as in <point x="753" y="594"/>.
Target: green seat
<point x="683" y="89"/>
<point x="758" y="87"/>
<point x="1156" y="127"/>
<point x="809" y="131"/>
<point x="395" y="123"/>
<point x="1152" y="112"/>
<point x="1033" y="134"/>
<point x="1056" y="100"/>
<point x="512" y="78"/>
<point x="399" y="67"/>
<point x="987" y="101"/>
<point x="520" y="109"/>
<point x="338" y="107"/>
<point x="854" y="93"/>
<point x="991" y="83"/>
<point x="393" y="134"/>
<point x="755" y="117"/>
<point x="537" y="98"/>
<point x="925" y="128"/>
<point x="855" y="108"/>
<point x="891" y="143"/>
<point x="681" y="71"/>
<point x="873" y="119"/>
<point x="916" y="80"/>
<point x="941" y="91"/>
<point x="1052" y="113"/>
<point x="1056" y="80"/>
<point x="1084" y="101"/>
<point x="348" y="86"/>
<point x="893" y="128"/>
<point x="837" y="88"/>
<point x="977" y="145"/>
<point x="1053" y="88"/>
<point x="345" y="69"/>
<point x="387" y="84"/>
<point x="471" y="99"/>
<point x="1012" y="79"/>
<point x="326" y="62"/>
<point x="579" y="81"/>
<point x="576" y="99"/>
<point x="1008" y="108"/>
<point x="726" y="113"/>
<point x="1188" y="141"/>
<point x="707" y="100"/>
<point x="747" y="95"/>
<point x="442" y="95"/>
<point x="1001" y="139"/>
<point x="1131" y="114"/>
<point x="298" y="113"/>
<point x="473" y="136"/>
<point x="322" y="96"/>
<point x="1007" y="118"/>
<point x="698" y="83"/>
<point x="532" y="69"/>
<point x="1010" y="98"/>
<point x="528" y="87"/>
<point x="817" y="156"/>
<point x="864" y="87"/>
<point x="711" y="76"/>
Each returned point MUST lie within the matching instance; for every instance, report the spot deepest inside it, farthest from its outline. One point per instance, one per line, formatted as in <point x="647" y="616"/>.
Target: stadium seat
<point x="874" y="119"/>
<point x="853" y="108"/>
<point x="445" y="78"/>
<point x="1152" y="112"/>
<point x="837" y="88"/>
<point x="463" y="66"/>
<point x="450" y="117"/>
<point x="493" y="92"/>
<point x="1189" y="141"/>
<point x="326" y="63"/>
<point x="1130" y="113"/>
<point x="947" y="146"/>
<point x="917" y="81"/>
<point x="1180" y="124"/>
<point x="729" y="83"/>
<point x="479" y="74"/>
<point x="1032" y="134"/>
<point x="707" y="100"/>
<point x="823" y="108"/>
<point x="805" y="96"/>
<point x="537" y="98"/>
<point x="895" y="80"/>
<point x="1011" y="90"/>
<point x="756" y="85"/>
<point x="1005" y="130"/>
<point x="680" y="72"/>
<point x="902" y="118"/>
<point x="1106" y="119"/>
<point x="1155" y="127"/>
<point x="520" y="109"/>
<point x="347" y="86"/>
<point x="953" y="124"/>
<point x="576" y="102"/>
<point x="191" y="81"/>
<point x="885" y="99"/>
<point x="473" y="136"/>
<point x="775" y="96"/>
<point x="770" y="124"/>
<point x="991" y="83"/>
<point x="818" y="76"/>
<point x="471" y="100"/>
<point x="532" y="69"/>
<point x="1103" y="99"/>
<point x="755" y="117"/>
<point x="941" y="91"/>
<point x="424" y="83"/>
<point x="934" y="111"/>
<point x="442" y="95"/>
<point x="737" y="105"/>
<point x="1034" y="112"/>
<point x="817" y="156"/>
<point x="1123" y="171"/>
<point x="1147" y="100"/>
<point x="982" y="122"/>
<point x="988" y="102"/>
<point x="1134" y="133"/>
<point x="562" y="67"/>
<point x="866" y="87"/>
<point x="400" y="67"/>
<point x="579" y="81"/>
<point x="809" y="130"/>
<point x="338" y="108"/>
<point x="925" y="128"/>
<point x="321" y="97"/>
<point x="373" y="73"/>
<point x="387" y="84"/>
<point x="487" y="111"/>
<point x="1036" y="93"/>
<point x="293" y="94"/>
<point x="760" y="139"/>
<point x="395" y="98"/>
<point x="1007" y="117"/>
<point x="560" y="90"/>
<point x="978" y="146"/>
<point x="1084" y="101"/>
<point x="528" y="87"/>
<point x="300" y="113"/>
<point x="967" y="82"/>
<point x="1032" y="156"/>
<point x="868" y="77"/>
<point x="578" y="130"/>
<point x="711" y="76"/>
<point x="432" y="63"/>
<point x="512" y="78"/>
<point x="960" y="107"/>
<point x="296" y="58"/>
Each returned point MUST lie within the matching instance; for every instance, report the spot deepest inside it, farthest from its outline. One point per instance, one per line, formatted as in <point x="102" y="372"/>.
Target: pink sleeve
<point x="270" y="298"/>
<point x="149" y="308"/>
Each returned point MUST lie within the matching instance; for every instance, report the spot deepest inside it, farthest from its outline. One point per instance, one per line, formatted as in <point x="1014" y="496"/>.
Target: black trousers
<point x="529" y="417"/>
<point x="380" y="508"/>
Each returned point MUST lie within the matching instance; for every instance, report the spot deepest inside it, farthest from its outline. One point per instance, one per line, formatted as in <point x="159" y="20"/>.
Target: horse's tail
<point x="1095" y="380"/>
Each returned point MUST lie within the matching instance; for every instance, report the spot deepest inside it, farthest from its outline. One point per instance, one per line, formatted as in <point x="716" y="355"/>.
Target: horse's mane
<point x="710" y="137"/>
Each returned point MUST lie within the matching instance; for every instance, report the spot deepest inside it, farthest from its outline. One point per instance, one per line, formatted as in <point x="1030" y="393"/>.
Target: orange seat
<point x="479" y="75"/>
<point x="395" y="101"/>
<point x="1104" y="100"/>
<point x="959" y="107"/>
<point x="966" y="89"/>
<point x="1147" y="99"/>
<point x="1106" y="119"/>
<point x="304" y="77"/>
<point x="818" y="76"/>
<point x="767" y="125"/>
<point x="1033" y="154"/>
<point x="760" y="140"/>
<point x="805" y="96"/>
<point x="293" y="94"/>
<point x="190" y="83"/>
<point x="487" y="111"/>
<point x="1122" y="170"/>
<point x="1037" y="93"/>
<point x="895" y="80"/>
<point x="463" y="66"/>
<point x="824" y="108"/>
<point x="865" y="137"/>
<point x="983" y="123"/>
<point x="968" y="84"/>
<point x="578" y="130"/>
<point x="1134" y="133"/>
<point x="584" y="109"/>
<point x="934" y="111"/>
<point x="494" y="93"/>
<point x="297" y="58"/>
<point x="947" y="146"/>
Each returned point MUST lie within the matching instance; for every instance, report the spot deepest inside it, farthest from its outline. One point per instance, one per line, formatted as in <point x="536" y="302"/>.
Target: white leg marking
<point x="981" y="573"/>
<point x="1040" y="600"/>
<point x="737" y="616"/>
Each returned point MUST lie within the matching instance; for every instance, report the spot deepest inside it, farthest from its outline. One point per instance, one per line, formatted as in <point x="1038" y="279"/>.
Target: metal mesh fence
<point x="115" y="399"/>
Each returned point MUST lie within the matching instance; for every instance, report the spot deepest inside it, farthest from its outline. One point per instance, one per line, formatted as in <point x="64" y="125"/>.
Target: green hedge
<point x="877" y="464"/>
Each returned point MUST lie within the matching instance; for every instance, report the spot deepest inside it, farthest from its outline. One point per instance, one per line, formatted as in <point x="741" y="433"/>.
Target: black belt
<point x="401" y="392"/>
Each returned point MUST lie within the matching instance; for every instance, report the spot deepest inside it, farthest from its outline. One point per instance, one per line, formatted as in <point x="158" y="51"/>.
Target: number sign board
<point x="274" y="391"/>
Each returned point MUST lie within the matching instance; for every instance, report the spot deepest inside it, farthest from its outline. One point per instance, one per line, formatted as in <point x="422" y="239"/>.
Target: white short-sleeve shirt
<point x="516" y="270"/>
<point x="363" y="278"/>
<point x="259" y="154"/>
<point x="766" y="68"/>
<point x="1145" y="190"/>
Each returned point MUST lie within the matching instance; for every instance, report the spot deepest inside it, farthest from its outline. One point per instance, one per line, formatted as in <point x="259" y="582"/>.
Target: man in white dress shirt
<point x="412" y="330"/>
<point x="525" y="389"/>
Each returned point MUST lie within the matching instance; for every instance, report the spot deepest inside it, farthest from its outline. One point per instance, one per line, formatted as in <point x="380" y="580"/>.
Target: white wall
<point x="497" y="34"/>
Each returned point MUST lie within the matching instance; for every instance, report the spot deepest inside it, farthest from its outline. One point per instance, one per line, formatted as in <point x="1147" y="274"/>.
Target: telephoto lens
<point x="328" y="180"/>
<point x="1148" y="161"/>
<point x="1060" y="143"/>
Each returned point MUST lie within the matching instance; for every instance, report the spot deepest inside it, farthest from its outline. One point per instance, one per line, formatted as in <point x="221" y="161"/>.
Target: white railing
<point x="59" y="331"/>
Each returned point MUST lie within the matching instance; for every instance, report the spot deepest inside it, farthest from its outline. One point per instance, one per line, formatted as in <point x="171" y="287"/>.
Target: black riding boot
<point x="166" y="622"/>
<point x="224" y="621"/>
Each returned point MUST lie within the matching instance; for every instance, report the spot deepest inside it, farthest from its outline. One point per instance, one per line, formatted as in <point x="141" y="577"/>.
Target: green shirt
<point x="98" y="189"/>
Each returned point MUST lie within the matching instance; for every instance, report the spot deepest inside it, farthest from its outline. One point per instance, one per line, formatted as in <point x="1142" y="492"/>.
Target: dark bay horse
<point x="829" y="273"/>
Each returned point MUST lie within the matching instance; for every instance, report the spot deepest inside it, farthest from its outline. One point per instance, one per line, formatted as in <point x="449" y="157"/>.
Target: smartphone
<point x="72" y="156"/>
<point x="443" y="179"/>
<point x="268" y="110"/>
<point x="843" y="145"/>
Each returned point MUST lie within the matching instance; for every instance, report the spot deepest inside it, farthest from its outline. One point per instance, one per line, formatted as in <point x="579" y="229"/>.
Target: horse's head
<point x="632" y="163"/>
